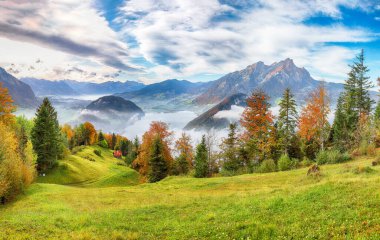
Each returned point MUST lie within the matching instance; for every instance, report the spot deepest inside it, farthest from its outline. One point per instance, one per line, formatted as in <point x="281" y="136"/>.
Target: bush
<point x="306" y="162"/>
<point x="103" y="144"/>
<point x="284" y="163"/>
<point x="332" y="156"/>
<point x="321" y="157"/>
<point x="267" y="165"/>
<point x="77" y="149"/>
<point x="98" y="152"/>
<point x="366" y="148"/>
<point x="89" y="158"/>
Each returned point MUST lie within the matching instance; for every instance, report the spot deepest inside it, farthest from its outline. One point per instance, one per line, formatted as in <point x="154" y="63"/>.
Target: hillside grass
<point x="86" y="169"/>
<point x="343" y="203"/>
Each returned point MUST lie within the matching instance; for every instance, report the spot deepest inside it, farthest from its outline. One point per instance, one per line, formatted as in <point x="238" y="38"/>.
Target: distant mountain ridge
<point x="110" y="87"/>
<point x="207" y="120"/>
<point x="44" y="87"/>
<point x="273" y="79"/>
<point x="22" y="94"/>
<point x="167" y="89"/>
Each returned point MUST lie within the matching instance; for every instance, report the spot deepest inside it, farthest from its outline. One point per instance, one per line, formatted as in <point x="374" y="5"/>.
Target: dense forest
<point x="299" y="136"/>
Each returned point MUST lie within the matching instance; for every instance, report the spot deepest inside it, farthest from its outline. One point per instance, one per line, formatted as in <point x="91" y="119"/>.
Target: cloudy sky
<point x="198" y="40"/>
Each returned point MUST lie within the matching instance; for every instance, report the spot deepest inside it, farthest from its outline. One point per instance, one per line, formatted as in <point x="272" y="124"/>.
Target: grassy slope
<point x="340" y="205"/>
<point x="77" y="170"/>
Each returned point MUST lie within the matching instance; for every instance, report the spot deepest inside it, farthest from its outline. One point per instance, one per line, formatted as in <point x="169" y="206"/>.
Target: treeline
<point x="263" y="143"/>
<point x="260" y="143"/>
<point x="17" y="158"/>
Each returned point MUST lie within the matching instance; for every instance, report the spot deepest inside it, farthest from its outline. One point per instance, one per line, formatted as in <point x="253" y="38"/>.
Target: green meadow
<point x="92" y="197"/>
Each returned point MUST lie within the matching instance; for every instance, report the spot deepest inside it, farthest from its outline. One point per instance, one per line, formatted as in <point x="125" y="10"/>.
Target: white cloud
<point x="70" y="28"/>
<point x="233" y="115"/>
<point x="183" y="37"/>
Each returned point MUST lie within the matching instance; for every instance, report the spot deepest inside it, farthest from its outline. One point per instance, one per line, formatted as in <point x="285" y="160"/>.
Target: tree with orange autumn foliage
<point x="90" y="134"/>
<point x="6" y="106"/>
<point x="313" y="122"/>
<point x="157" y="130"/>
<point x="69" y="133"/>
<point x="257" y="119"/>
<point x="184" y="161"/>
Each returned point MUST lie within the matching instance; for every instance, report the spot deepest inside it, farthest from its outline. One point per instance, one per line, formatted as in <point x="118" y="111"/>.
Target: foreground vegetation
<point x="341" y="203"/>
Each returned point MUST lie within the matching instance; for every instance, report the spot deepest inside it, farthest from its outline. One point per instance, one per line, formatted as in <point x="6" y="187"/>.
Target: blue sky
<point x="154" y="40"/>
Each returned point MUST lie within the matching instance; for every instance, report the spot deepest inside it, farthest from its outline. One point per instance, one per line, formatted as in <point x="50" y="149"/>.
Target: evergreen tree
<point x="354" y="103"/>
<point x="124" y="146"/>
<point x="46" y="139"/>
<point x="364" y="101"/>
<point x="377" y="111"/>
<point x="113" y="141"/>
<point x="100" y="136"/>
<point x="132" y="151"/>
<point x="201" y="156"/>
<point x="230" y="151"/>
<point x="287" y="120"/>
<point x="181" y="164"/>
<point x="158" y="165"/>
<point x="339" y="127"/>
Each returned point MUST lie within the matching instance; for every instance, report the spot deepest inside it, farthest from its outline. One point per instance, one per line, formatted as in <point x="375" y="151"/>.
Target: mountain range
<point x="43" y="87"/>
<point x="22" y="94"/>
<point x="273" y="79"/>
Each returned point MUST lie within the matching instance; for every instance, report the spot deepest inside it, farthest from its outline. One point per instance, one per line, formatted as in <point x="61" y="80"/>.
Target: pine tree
<point x="113" y="141"/>
<point x="100" y="136"/>
<point x="46" y="138"/>
<point x="181" y="164"/>
<point x="133" y="150"/>
<point x="201" y="156"/>
<point x="158" y="165"/>
<point x="364" y="101"/>
<point x="354" y="104"/>
<point x="377" y="111"/>
<point x="287" y="120"/>
<point x="230" y="150"/>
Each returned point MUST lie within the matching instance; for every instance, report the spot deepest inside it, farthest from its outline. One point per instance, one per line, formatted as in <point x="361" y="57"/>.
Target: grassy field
<point x="100" y="200"/>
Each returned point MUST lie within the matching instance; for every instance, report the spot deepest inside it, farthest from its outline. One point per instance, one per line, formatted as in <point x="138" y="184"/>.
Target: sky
<point x="197" y="40"/>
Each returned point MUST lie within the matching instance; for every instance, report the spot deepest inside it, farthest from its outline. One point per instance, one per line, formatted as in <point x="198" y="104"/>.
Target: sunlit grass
<point x="341" y="204"/>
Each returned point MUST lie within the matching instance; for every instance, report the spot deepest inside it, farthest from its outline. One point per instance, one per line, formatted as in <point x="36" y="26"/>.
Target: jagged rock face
<point x="273" y="79"/>
<point x="22" y="94"/>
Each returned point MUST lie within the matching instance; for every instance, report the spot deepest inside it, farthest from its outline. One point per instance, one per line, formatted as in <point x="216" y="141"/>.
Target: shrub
<point x="332" y="156"/>
<point x="103" y="144"/>
<point x="321" y="157"/>
<point x="306" y="162"/>
<point x="77" y="149"/>
<point x="267" y="165"/>
<point x="89" y="158"/>
<point x="284" y="163"/>
<point x="98" y="152"/>
<point x="366" y="148"/>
